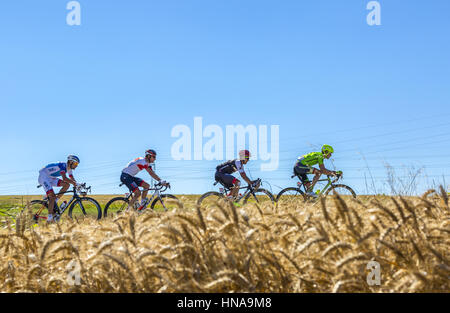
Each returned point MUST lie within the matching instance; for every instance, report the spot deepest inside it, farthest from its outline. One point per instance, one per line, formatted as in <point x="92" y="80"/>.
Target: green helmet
<point x="326" y="149"/>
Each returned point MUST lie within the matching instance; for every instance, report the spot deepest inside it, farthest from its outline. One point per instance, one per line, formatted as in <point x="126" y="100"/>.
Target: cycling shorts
<point x="133" y="183"/>
<point x="301" y="172"/>
<point x="48" y="182"/>
<point x="227" y="180"/>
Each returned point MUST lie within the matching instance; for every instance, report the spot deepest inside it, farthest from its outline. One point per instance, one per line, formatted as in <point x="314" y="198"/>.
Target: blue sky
<point x="116" y="85"/>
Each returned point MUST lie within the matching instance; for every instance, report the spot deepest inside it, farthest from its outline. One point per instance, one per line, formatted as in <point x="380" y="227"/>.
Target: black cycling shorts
<point x="227" y="180"/>
<point x="301" y="172"/>
<point x="133" y="183"/>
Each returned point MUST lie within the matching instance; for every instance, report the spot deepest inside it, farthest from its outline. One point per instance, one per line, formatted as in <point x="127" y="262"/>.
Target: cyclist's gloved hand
<point x="163" y="182"/>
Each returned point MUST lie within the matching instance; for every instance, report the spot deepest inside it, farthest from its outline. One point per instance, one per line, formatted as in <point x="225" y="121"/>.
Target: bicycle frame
<point x="224" y="190"/>
<point x="328" y="179"/>
<point x="157" y="194"/>
<point x="56" y="208"/>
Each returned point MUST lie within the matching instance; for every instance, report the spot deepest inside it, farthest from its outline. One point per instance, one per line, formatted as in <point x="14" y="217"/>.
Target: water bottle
<point x="63" y="205"/>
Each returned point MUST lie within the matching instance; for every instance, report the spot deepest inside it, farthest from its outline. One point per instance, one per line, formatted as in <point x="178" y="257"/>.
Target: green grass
<point x="10" y="206"/>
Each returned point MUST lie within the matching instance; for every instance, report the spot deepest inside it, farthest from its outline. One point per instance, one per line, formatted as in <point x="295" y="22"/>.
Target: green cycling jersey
<point x="310" y="159"/>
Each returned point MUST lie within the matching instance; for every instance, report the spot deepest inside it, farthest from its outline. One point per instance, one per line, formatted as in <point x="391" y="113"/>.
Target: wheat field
<point x="288" y="247"/>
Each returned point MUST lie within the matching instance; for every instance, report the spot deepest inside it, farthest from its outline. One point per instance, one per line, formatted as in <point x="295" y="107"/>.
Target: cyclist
<point x="304" y="165"/>
<point x="133" y="183"/>
<point x="48" y="177"/>
<point x="224" y="171"/>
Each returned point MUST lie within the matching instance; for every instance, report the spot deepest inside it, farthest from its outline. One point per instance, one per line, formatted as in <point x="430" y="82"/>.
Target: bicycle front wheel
<point x="115" y="206"/>
<point x="163" y="203"/>
<point x="261" y="196"/>
<point x="341" y="190"/>
<point x="85" y="208"/>
<point x="291" y="194"/>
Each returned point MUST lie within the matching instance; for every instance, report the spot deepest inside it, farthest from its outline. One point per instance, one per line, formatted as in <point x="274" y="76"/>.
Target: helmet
<point x="244" y="154"/>
<point x="73" y="158"/>
<point x="326" y="149"/>
<point x="150" y="152"/>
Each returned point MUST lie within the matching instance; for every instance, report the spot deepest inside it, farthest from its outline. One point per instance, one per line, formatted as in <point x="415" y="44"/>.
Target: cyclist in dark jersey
<point x="304" y="164"/>
<point x="224" y="171"/>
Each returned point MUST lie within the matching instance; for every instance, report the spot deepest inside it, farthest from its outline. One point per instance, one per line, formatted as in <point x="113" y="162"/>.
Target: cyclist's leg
<point x="65" y="186"/>
<point x="301" y="172"/>
<point x="136" y="194"/>
<point x="229" y="181"/>
<point x="236" y="185"/>
<point x="48" y="183"/>
<point x="144" y="185"/>
<point x="51" y="202"/>
<point x="130" y="182"/>
<point x="317" y="174"/>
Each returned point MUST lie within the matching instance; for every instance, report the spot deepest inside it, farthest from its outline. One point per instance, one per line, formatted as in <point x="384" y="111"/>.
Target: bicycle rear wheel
<point x="35" y="212"/>
<point x="261" y="196"/>
<point x="341" y="190"/>
<point x="291" y="194"/>
<point x="210" y="198"/>
<point x="164" y="203"/>
<point x="85" y="208"/>
<point x="115" y="206"/>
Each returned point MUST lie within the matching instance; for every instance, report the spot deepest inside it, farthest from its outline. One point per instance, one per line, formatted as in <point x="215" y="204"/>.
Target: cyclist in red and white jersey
<point x="133" y="183"/>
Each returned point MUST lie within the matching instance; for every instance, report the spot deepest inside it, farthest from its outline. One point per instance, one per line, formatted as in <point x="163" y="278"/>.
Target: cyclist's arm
<point x="152" y="174"/>
<point x="245" y="177"/>
<point x="71" y="176"/>
<point x="323" y="170"/>
<point x="68" y="180"/>
<point x="241" y="171"/>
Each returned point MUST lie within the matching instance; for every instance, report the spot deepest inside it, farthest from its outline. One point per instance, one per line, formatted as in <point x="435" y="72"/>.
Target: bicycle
<point x="78" y="206"/>
<point x="296" y="192"/>
<point x="120" y="204"/>
<point x="252" y="194"/>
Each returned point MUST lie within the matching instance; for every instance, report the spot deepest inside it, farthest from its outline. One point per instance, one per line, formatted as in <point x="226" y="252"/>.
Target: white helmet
<point x="73" y="158"/>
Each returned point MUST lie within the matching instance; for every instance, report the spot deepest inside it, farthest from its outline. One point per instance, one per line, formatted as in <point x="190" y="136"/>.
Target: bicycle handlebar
<point x="159" y="186"/>
<point x="82" y="189"/>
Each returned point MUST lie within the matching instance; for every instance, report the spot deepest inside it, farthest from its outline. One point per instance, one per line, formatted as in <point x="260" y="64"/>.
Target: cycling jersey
<point x="55" y="170"/>
<point x="310" y="159"/>
<point x="230" y="167"/>
<point x="136" y="166"/>
<point x="48" y="175"/>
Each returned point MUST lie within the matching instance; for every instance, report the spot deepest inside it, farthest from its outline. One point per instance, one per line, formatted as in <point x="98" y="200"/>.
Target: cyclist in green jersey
<point x="304" y="165"/>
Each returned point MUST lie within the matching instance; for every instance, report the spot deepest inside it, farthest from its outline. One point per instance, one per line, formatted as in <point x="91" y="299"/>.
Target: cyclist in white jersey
<point x="48" y="177"/>
<point x="133" y="183"/>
